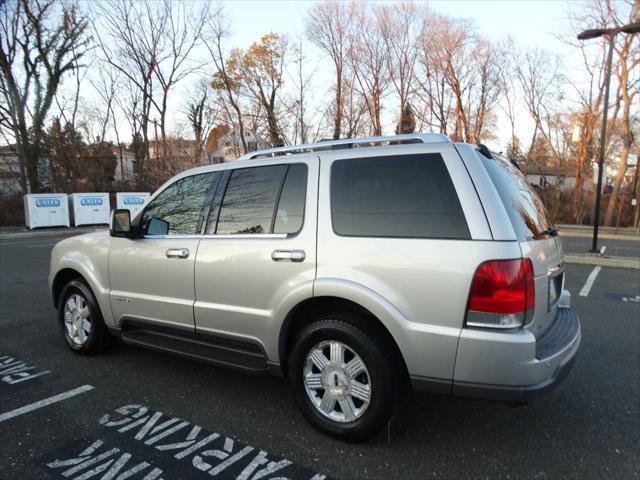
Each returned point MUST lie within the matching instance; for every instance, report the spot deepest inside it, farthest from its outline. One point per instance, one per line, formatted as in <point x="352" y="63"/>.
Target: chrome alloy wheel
<point x="76" y="319"/>
<point x="337" y="381"/>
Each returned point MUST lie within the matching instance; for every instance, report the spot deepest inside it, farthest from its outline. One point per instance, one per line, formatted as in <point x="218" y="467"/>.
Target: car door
<point x="152" y="276"/>
<point x="258" y="254"/>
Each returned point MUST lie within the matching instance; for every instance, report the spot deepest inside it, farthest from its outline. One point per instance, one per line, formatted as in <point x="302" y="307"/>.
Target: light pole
<point x="610" y="33"/>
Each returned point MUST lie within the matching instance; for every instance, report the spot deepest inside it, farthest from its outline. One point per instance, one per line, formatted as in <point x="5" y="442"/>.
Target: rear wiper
<point x="551" y="231"/>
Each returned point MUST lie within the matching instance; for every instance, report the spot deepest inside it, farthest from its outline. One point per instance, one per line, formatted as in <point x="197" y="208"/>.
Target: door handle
<point x="178" y="253"/>
<point x="288" y="256"/>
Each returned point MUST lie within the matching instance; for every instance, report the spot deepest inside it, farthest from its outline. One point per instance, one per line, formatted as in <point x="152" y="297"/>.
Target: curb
<point x="50" y="233"/>
<point x="632" y="264"/>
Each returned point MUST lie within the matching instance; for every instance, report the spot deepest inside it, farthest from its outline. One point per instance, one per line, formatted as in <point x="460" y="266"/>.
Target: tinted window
<point x="524" y="207"/>
<point x="250" y="200"/>
<point x="178" y="208"/>
<point x="396" y="196"/>
<point x="290" y="212"/>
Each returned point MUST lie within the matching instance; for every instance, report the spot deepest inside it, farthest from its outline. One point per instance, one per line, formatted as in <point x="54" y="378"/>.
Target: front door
<point x="258" y="255"/>
<point x="152" y="276"/>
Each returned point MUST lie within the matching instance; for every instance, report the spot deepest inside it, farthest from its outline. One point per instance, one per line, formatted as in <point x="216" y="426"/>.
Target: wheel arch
<point x="306" y="311"/>
<point x="63" y="277"/>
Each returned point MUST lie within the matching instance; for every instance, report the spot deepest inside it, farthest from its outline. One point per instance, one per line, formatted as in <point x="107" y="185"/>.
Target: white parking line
<point x="589" y="283"/>
<point x="603" y="249"/>
<point x="43" y="403"/>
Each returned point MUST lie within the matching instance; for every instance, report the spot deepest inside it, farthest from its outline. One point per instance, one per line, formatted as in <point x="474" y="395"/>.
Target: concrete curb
<point x="63" y="231"/>
<point x="630" y="263"/>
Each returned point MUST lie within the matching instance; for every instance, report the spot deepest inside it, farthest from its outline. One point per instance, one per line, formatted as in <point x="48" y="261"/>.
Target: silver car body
<point x="230" y="286"/>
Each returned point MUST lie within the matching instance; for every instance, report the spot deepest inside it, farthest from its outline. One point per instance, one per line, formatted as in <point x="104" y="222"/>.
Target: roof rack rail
<point x="347" y="143"/>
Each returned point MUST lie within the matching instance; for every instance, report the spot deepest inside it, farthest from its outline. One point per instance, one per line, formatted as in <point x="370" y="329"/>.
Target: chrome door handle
<point x="288" y="256"/>
<point x="178" y="253"/>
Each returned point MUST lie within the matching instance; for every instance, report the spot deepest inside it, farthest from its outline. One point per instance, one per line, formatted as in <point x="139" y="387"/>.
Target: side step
<point x="248" y="357"/>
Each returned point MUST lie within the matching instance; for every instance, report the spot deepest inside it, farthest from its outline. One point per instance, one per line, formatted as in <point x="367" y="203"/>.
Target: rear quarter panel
<point x="417" y="287"/>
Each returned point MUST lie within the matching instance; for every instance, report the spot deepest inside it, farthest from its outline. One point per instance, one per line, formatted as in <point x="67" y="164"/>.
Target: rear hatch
<point x="537" y="238"/>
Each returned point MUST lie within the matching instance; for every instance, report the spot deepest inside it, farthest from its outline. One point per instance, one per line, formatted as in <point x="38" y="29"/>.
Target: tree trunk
<point x="622" y="170"/>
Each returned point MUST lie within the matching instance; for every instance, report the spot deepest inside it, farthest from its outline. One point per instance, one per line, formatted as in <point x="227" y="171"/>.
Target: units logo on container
<point x="91" y="201"/>
<point x="47" y="202"/>
<point x="133" y="201"/>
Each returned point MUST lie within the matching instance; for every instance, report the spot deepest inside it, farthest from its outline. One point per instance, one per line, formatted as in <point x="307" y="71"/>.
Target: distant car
<point x="354" y="268"/>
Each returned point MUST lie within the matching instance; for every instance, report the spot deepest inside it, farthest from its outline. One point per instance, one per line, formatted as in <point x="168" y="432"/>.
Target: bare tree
<point x="400" y="27"/>
<point x="202" y="114"/>
<point x="328" y="26"/>
<point x="129" y="38"/>
<point x="35" y="54"/>
<point x="298" y="102"/>
<point x="627" y="50"/>
<point x="368" y="60"/>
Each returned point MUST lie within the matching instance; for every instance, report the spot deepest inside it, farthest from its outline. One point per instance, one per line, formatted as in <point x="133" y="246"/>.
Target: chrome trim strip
<point x="221" y="236"/>
<point x="247" y="235"/>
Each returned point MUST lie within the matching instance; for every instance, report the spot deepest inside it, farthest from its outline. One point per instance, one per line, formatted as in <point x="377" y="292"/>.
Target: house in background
<point x="224" y="145"/>
<point x="544" y="176"/>
<point x="10" y="171"/>
<point x="125" y="164"/>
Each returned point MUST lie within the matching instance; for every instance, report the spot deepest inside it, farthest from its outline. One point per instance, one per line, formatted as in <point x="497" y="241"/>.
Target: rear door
<point x="530" y="222"/>
<point x="257" y="258"/>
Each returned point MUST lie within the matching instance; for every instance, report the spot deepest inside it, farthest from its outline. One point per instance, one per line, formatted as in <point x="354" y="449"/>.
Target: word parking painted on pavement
<point x="14" y="371"/>
<point x="135" y="442"/>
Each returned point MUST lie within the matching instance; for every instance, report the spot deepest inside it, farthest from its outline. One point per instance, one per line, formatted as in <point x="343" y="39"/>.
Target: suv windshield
<point x="525" y="209"/>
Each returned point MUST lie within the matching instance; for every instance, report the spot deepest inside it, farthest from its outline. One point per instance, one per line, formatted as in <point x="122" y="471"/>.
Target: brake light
<point x="502" y="294"/>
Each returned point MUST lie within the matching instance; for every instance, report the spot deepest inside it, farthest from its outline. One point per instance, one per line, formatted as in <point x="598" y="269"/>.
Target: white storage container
<point x="133" y="201"/>
<point x="46" y="210"/>
<point x="89" y="208"/>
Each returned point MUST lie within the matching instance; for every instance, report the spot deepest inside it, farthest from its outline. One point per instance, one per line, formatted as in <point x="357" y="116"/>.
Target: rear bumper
<point x="521" y="370"/>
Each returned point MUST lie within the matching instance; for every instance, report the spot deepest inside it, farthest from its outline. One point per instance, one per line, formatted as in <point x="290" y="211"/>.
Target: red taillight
<point x="502" y="292"/>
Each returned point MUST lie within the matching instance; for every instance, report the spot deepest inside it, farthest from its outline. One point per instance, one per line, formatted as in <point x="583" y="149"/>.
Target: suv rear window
<point x="408" y="196"/>
<point x="525" y="209"/>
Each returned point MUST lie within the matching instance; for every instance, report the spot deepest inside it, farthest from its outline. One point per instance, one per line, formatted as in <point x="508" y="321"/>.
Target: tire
<point x="80" y="338"/>
<point x="347" y="387"/>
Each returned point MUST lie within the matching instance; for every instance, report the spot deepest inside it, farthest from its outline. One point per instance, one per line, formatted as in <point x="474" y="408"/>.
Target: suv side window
<point x="261" y="200"/>
<point x="177" y="210"/>
<point x="290" y="211"/>
<point x="525" y="209"/>
<point x="408" y="196"/>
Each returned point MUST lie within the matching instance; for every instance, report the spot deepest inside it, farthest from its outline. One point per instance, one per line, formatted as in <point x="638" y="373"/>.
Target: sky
<point x="529" y="23"/>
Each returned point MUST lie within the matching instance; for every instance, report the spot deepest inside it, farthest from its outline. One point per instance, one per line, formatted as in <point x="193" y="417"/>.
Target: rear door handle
<point x="178" y="253"/>
<point x="288" y="256"/>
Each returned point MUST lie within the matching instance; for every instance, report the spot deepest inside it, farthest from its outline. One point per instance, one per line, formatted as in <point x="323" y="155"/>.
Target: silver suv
<point x="357" y="269"/>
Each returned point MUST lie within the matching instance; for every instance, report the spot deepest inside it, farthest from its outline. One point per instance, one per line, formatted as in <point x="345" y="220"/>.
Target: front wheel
<point x="342" y="379"/>
<point x="80" y="319"/>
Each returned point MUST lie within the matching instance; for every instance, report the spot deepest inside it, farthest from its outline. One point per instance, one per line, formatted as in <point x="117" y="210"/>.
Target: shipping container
<point x="133" y="201"/>
<point x="89" y="208"/>
<point x="46" y="210"/>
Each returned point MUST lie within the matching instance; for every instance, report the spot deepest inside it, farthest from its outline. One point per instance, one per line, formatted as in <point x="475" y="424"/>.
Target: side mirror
<point x="120" y="223"/>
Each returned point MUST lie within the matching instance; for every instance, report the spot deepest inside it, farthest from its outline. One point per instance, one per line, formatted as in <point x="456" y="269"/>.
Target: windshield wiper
<point x="551" y="231"/>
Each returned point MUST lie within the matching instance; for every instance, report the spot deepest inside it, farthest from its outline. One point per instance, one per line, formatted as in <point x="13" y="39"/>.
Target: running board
<point x="248" y="357"/>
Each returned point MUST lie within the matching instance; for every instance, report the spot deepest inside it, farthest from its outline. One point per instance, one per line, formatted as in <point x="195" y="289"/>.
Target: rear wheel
<point x="342" y="379"/>
<point x="80" y="319"/>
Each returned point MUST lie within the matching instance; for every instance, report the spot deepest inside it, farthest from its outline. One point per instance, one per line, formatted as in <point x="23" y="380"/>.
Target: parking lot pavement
<point x="108" y="410"/>
<point x="620" y="246"/>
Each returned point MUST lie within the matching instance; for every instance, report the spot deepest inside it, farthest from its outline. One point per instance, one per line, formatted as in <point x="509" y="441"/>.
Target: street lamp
<point x="631" y="28"/>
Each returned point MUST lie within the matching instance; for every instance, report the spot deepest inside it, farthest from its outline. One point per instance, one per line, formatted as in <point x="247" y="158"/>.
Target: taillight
<point x="502" y="294"/>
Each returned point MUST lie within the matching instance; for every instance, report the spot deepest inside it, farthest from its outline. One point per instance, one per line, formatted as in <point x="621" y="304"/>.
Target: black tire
<point x="99" y="337"/>
<point x="378" y="361"/>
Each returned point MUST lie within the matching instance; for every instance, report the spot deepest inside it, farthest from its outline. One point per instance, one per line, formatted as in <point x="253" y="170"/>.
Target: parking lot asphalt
<point x="621" y="246"/>
<point x="589" y="427"/>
